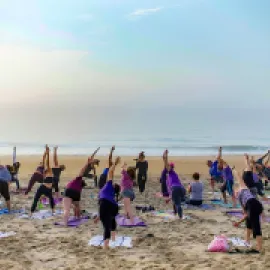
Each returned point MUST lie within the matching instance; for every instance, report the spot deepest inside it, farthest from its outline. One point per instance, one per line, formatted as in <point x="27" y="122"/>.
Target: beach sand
<point x="175" y="244"/>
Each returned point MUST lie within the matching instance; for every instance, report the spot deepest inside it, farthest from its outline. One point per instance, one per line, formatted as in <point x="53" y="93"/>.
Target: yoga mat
<point x="6" y="234"/>
<point x="201" y="207"/>
<point x="238" y="242"/>
<point x="46" y="201"/>
<point x="124" y="222"/>
<point x="5" y="211"/>
<point x="240" y="215"/>
<point x="41" y="214"/>
<point x="167" y="215"/>
<point x="74" y="222"/>
<point x="120" y="241"/>
<point x="225" y="205"/>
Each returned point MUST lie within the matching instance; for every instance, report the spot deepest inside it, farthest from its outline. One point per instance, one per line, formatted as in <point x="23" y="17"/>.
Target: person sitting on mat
<point x="103" y="176"/>
<point x="108" y="207"/>
<point x="72" y="194"/>
<point x="5" y="179"/>
<point x="227" y="183"/>
<point x="45" y="189"/>
<point x="195" y="189"/>
<point x="127" y="192"/>
<point x="57" y="170"/>
<point x="215" y="170"/>
<point x="252" y="209"/>
<point x="37" y="176"/>
<point x="175" y="189"/>
<point x="142" y="167"/>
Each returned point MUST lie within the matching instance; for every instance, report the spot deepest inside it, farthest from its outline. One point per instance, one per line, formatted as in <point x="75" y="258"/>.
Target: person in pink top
<point x="127" y="193"/>
<point x="72" y="195"/>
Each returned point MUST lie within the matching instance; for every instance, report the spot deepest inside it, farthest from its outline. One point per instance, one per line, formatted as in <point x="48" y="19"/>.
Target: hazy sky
<point x="185" y="53"/>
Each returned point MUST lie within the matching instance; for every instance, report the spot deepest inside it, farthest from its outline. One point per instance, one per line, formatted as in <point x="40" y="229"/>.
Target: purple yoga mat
<point x="240" y="215"/>
<point x="74" y="222"/>
<point x="124" y="222"/>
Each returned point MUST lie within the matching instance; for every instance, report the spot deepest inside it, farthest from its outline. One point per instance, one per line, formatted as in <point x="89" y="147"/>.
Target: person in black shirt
<point x="56" y="170"/>
<point x="142" y="167"/>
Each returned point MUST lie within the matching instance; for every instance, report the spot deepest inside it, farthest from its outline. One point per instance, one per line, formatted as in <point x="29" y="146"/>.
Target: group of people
<point x="246" y="187"/>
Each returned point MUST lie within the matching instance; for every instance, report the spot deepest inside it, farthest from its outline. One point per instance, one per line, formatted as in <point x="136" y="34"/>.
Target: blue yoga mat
<point x="5" y="211"/>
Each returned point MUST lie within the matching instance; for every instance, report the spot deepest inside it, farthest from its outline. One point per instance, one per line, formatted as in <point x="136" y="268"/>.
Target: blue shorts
<point x="128" y="193"/>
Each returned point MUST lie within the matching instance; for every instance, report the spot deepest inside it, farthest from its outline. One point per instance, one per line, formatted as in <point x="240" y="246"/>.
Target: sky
<point x="134" y="53"/>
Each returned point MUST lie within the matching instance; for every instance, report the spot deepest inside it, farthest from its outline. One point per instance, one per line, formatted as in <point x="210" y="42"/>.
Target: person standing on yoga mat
<point x="108" y="207"/>
<point x="5" y="179"/>
<point x="252" y="209"/>
<point x="45" y="188"/>
<point x="228" y="183"/>
<point x="142" y="167"/>
<point x="175" y="188"/>
<point x="127" y="192"/>
<point x="263" y="168"/>
<point x="57" y="170"/>
<point x="215" y="170"/>
<point x="72" y="194"/>
<point x="103" y="176"/>
<point x="163" y="179"/>
<point x="37" y="176"/>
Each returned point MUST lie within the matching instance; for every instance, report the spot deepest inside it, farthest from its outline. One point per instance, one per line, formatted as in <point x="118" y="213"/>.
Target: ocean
<point x="184" y="132"/>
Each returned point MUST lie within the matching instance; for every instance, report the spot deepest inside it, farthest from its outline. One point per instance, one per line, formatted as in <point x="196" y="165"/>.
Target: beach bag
<point x="219" y="244"/>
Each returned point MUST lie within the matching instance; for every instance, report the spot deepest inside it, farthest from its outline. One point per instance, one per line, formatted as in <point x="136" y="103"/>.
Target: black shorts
<point x="4" y="190"/>
<point x="72" y="194"/>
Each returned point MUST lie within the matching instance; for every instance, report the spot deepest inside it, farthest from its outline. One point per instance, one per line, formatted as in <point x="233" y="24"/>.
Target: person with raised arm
<point x="72" y="194"/>
<point x="45" y="188"/>
<point x="263" y="168"/>
<point x="127" y="192"/>
<point x="174" y="186"/>
<point x="38" y="175"/>
<point x="228" y="183"/>
<point x="252" y="208"/>
<point x="215" y="170"/>
<point x="163" y="178"/>
<point x="108" y="207"/>
<point x="103" y="176"/>
<point x="142" y="167"/>
<point x="57" y="170"/>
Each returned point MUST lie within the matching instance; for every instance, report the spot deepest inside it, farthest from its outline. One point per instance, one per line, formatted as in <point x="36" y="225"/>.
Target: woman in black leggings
<point x="142" y="167"/>
<point x="252" y="209"/>
<point x="46" y="187"/>
<point x="108" y="207"/>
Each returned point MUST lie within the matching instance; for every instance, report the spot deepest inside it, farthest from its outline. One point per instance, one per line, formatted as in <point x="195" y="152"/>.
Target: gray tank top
<point x="196" y="191"/>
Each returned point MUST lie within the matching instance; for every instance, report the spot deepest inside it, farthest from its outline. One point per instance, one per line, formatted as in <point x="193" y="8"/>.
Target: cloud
<point x="144" y="12"/>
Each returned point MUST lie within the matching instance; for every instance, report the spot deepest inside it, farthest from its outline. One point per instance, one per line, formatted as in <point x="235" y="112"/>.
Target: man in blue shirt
<point x="5" y="179"/>
<point x="215" y="170"/>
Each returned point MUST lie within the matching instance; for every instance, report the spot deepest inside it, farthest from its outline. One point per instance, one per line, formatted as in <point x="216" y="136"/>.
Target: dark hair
<point x="131" y="171"/>
<point x="116" y="191"/>
<point x="196" y="176"/>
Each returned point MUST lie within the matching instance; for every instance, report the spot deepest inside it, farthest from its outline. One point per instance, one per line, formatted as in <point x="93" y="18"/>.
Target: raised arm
<point x="93" y="155"/>
<point x="219" y="156"/>
<point x="112" y="169"/>
<point x="248" y="164"/>
<point x="110" y="163"/>
<point x="47" y="157"/>
<point x="165" y="159"/>
<point x="55" y="156"/>
<point x="14" y="155"/>
<point x="260" y="160"/>
<point x="268" y="159"/>
<point x="238" y="178"/>
<point x="44" y="155"/>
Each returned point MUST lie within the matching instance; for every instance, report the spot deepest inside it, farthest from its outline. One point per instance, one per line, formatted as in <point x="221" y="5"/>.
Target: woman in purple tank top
<point x="72" y="195"/>
<point x="252" y="209"/>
